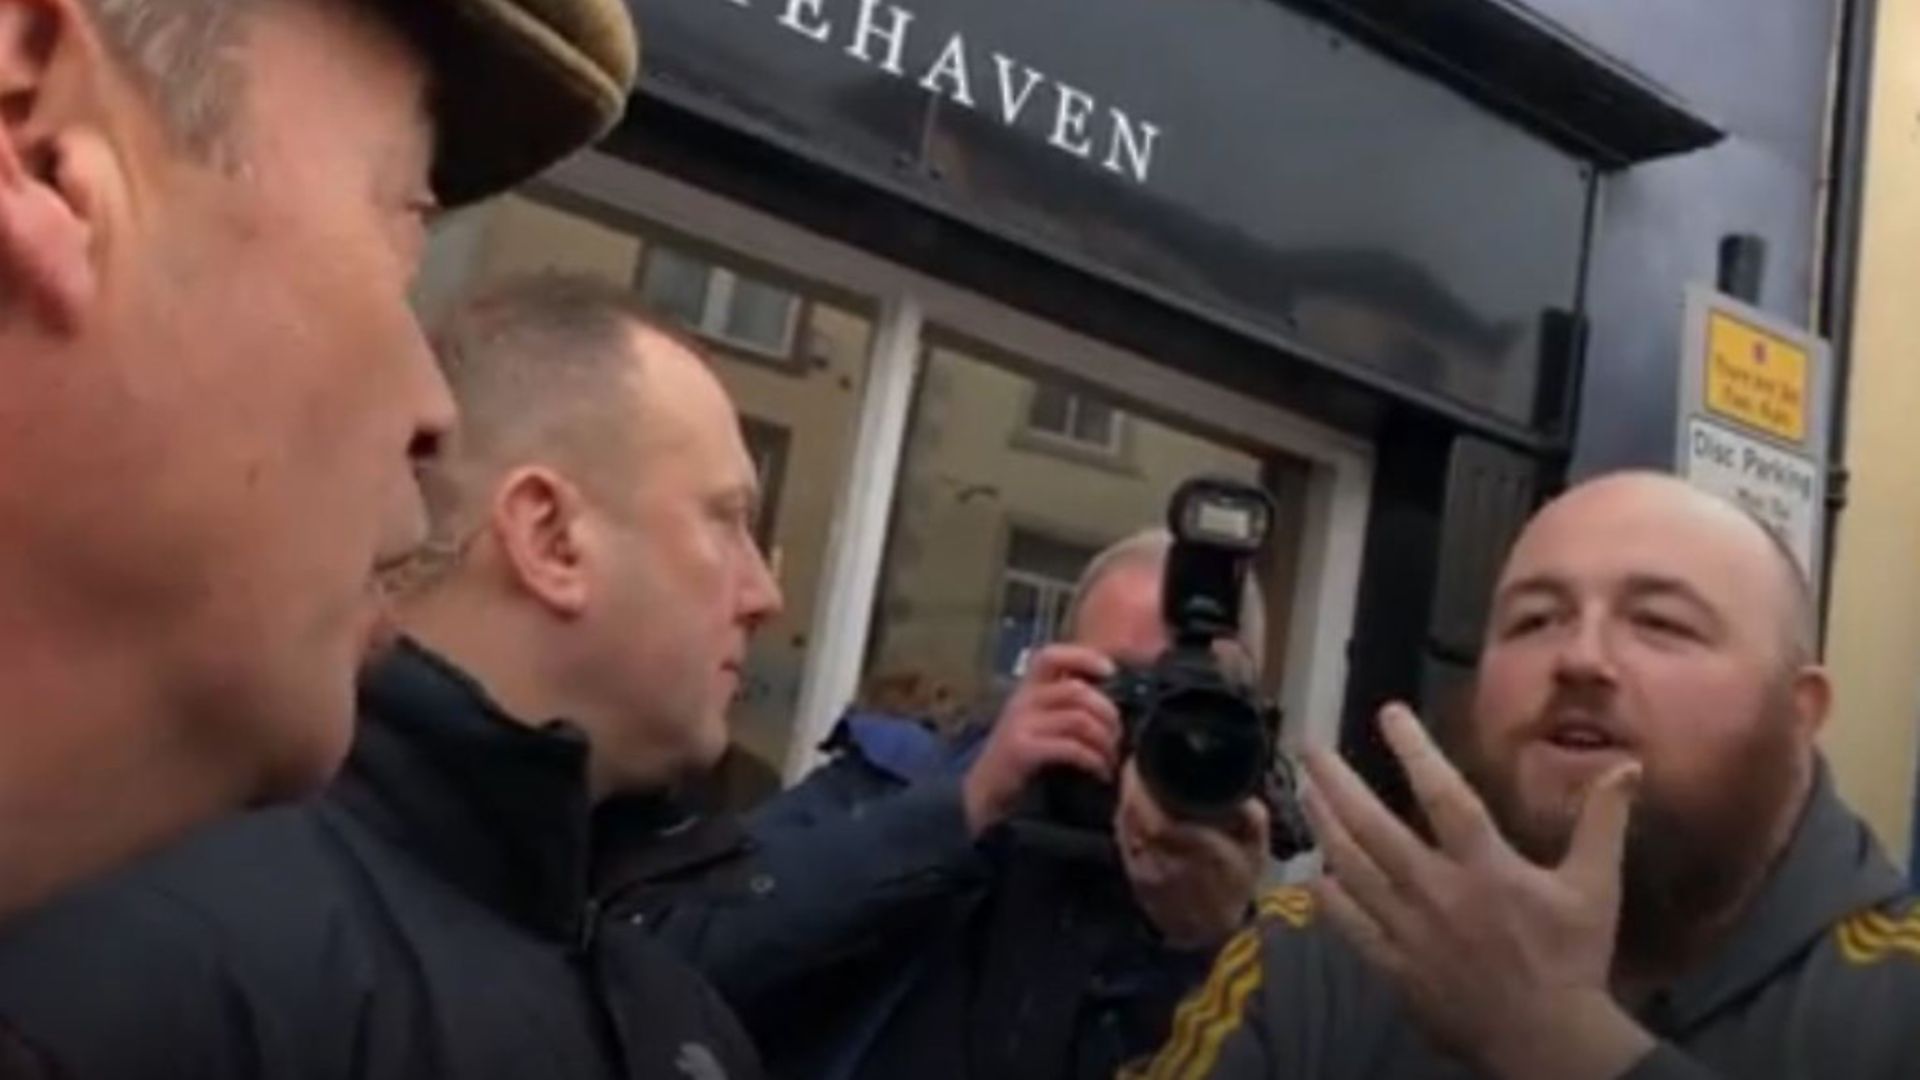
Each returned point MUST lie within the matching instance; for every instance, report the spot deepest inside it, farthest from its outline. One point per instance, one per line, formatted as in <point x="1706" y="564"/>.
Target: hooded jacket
<point x="1819" y="977"/>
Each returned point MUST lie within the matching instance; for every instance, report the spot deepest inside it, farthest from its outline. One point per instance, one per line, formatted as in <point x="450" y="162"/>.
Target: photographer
<point x="903" y="929"/>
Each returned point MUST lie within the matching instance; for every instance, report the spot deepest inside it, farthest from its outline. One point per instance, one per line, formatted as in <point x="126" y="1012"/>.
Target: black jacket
<point x="428" y="917"/>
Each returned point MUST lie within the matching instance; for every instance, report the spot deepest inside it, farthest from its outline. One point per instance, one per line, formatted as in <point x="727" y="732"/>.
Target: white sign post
<point x="1755" y="409"/>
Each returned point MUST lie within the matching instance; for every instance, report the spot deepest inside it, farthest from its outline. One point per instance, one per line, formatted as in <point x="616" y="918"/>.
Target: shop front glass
<point x="1012" y="480"/>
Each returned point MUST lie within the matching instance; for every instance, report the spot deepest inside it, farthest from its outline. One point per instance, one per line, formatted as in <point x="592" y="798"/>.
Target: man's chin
<point x="713" y="749"/>
<point x="1537" y="814"/>
<point x="310" y="754"/>
<point x="378" y="642"/>
<point x="1552" y="780"/>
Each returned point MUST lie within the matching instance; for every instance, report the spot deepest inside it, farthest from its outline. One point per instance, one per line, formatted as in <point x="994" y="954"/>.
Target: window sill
<point x="1118" y="462"/>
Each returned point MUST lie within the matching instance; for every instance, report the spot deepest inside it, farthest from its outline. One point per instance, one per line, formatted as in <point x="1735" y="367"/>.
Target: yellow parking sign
<point x="1755" y="377"/>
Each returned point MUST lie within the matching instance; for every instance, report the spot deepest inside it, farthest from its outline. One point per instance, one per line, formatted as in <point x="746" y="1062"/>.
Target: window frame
<point x="1049" y="589"/>
<point x="777" y="440"/>
<point x="722" y="279"/>
<point x="1113" y="447"/>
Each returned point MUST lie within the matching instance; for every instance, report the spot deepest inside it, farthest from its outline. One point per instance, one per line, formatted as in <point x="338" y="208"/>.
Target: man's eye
<point x="1665" y="626"/>
<point x="1526" y="623"/>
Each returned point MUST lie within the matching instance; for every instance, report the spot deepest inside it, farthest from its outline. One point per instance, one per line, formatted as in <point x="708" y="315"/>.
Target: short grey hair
<point x="182" y="56"/>
<point x="1149" y="548"/>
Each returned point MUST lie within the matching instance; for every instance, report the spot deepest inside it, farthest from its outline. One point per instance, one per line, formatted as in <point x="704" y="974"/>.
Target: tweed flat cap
<point x="519" y="84"/>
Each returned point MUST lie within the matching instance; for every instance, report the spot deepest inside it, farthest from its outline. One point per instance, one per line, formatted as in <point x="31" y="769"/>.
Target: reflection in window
<point x="1085" y="421"/>
<point x="767" y="445"/>
<point x="1036" y="586"/>
<point x="988" y="537"/>
<point x="720" y="303"/>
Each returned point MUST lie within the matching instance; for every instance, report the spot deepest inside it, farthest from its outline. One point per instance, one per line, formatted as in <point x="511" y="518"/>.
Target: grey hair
<point x="181" y="54"/>
<point x="1149" y="547"/>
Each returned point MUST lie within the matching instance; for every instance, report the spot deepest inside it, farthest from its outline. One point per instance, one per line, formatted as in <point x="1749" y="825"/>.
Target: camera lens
<point x="1202" y="751"/>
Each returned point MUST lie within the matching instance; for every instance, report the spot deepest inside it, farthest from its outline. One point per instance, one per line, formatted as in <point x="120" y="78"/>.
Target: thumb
<point x="1600" y="836"/>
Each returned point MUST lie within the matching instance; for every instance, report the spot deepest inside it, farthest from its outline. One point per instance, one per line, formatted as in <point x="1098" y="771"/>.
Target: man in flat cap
<point x="569" y="641"/>
<point x="211" y="384"/>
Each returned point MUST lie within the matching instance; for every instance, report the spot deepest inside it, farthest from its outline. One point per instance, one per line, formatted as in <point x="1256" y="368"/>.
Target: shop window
<point x="1083" y="421"/>
<point x="723" y="304"/>
<point x="988" y="538"/>
<point x="1036" y="588"/>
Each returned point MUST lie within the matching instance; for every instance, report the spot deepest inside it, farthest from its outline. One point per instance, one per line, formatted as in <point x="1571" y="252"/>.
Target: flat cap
<point x="518" y="84"/>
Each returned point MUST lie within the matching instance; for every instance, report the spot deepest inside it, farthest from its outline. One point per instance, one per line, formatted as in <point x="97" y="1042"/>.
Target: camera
<point x="1201" y="737"/>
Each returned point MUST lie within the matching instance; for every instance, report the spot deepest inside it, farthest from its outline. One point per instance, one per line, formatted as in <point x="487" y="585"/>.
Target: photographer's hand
<point x="1195" y="881"/>
<point x="1055" y="717"/>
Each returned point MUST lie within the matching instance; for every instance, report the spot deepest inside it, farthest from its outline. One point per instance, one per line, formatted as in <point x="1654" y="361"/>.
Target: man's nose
<point x="433" y="407"/>
<point x="1586" y="650"/>
<point x="434" y="424"/>
<point x="763" y="600"/>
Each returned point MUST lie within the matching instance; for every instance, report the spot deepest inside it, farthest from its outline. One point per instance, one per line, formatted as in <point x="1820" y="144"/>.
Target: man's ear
<point x="538" y="522"/>
<point x="1812" y="700"/>
<point x="58" y="170"/>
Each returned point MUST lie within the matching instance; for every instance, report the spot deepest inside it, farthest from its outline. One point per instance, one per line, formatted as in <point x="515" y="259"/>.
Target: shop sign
<point x="1754" y="413"/>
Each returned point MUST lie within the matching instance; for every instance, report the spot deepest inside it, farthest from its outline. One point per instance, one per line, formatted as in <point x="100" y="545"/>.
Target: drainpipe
<point x="1840" y="270"/>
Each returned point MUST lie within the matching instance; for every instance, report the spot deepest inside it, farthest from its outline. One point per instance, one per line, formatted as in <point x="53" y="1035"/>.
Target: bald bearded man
<point x="1632" y="864"/>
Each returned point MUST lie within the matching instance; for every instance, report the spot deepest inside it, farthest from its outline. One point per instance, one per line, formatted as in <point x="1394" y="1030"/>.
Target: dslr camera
<point x="1202" y="739"/>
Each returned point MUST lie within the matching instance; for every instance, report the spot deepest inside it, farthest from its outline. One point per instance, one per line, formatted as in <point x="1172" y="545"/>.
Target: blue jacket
<point x="875" y="939"/>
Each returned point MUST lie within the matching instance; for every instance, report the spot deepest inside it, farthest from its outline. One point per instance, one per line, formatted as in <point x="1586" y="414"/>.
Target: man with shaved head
<point x="1631" y="861"/>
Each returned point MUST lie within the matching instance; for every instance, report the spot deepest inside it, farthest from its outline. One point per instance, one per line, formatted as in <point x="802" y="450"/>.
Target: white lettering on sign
<point x="1071" y="121"/>
<point x="817" y="30"/>
<point x="868" y="28"/>
<point x="1014" y="102"/>
<point x="1139" y="148"/>
<point x="880" y="35"/>
<point x="1779" y="487"/>
<point x="952" y="67"/>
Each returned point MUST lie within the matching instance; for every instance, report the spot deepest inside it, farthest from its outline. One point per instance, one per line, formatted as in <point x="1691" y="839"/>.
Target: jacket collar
<point x="1831" y="868"/>
<point x="498" y="807"/>
<point x="659" y="841"/>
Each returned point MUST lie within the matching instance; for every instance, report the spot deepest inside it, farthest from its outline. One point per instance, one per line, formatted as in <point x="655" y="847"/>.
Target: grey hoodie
<point x="1820" y="978"/>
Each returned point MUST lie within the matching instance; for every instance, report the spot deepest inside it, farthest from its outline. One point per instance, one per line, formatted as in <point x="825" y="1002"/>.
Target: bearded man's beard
<point x="1691" y="853"/>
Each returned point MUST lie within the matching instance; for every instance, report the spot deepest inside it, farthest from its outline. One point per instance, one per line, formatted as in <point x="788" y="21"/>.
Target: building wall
<point x="1874" y="629"/>
<point x="1760" y="69"/>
